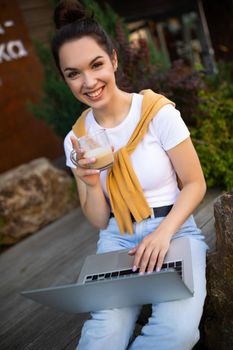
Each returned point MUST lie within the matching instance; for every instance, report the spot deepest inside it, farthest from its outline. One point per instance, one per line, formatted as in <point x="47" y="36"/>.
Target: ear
<point x="114" y="60"/>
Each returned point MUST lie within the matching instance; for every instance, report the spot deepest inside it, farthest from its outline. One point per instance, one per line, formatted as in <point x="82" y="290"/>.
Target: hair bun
<point x="68" y="11"/>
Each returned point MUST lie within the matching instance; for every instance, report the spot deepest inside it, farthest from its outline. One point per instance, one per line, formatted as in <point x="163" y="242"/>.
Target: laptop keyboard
<point x="176" y="265"/>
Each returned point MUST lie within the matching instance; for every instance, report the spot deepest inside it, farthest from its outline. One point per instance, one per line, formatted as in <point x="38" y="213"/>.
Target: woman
<point x="87" y="61"/>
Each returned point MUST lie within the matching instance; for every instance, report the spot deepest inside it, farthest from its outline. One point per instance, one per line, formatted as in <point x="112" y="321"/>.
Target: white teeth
<point x="94" y="94"/>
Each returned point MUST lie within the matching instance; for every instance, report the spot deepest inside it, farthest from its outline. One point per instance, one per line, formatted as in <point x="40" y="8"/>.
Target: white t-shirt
<point x="149" y="160"/>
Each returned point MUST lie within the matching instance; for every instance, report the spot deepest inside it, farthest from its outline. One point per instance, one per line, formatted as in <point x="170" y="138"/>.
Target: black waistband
<point x="157" y="212"/>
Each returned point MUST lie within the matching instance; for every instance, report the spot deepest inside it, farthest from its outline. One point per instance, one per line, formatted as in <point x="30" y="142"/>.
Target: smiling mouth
<point x="95" y="94"/>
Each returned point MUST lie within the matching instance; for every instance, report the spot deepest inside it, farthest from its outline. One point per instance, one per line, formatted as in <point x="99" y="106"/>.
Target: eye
<point x="97" y="65"/>
<point x="73" y="74"/>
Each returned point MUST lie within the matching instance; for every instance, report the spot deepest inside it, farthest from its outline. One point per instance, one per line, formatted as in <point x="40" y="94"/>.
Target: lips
<point x="94" y="95"/>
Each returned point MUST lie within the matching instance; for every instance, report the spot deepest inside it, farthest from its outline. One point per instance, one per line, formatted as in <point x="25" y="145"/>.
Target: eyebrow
<point x="92" y="61"/>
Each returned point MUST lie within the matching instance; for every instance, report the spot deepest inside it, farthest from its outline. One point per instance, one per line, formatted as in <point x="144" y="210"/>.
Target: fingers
<point x="156" y="260"/>
<point x="132" y="251"/>
<point x="88" y="172"/>
<point x="142" y="257"/>
<point x="77" y="156"/>
<point x="76" y="153"/>
<point x="86" y="162"/>
<point x="149" y="256"/>
<point x="79" y="152"/>
<point x="153" y="261"/>
<point x="74" y="143"/>
<point x="160" y="261"/>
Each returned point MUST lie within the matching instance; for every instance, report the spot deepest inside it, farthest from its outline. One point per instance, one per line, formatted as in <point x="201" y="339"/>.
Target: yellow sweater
<point x="124" y="190"/>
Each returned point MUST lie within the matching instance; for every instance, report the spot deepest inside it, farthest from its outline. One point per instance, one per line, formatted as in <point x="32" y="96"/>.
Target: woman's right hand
<point x="90" y="177"/>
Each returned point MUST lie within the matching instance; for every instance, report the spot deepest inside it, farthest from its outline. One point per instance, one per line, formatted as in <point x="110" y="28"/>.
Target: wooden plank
<point x="38" y="16"/>
<point x="29" y="4"/>
<point x="204" y="217"/>
<point x="210" y="196"/>
<point x="54" y="256"/>
<point x="210" y="234"/>
<point x="159" y="9"/>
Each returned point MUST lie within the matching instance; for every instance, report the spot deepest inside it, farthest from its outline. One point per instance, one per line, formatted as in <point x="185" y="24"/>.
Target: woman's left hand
<point x="150" y="252"/>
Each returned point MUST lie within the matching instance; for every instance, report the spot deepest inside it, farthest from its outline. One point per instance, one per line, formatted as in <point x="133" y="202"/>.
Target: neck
<point x="116" y="111"/>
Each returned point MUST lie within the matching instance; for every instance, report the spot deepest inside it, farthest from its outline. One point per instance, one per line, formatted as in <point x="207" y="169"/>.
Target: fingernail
<point x="134" y="268"/>
<point x="157" y="269"/>
<point x="148" y="272"/>
<point x="141" y="273"/>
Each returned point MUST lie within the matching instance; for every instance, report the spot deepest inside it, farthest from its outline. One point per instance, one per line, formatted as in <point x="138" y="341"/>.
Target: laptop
<point x="107" y="281"/>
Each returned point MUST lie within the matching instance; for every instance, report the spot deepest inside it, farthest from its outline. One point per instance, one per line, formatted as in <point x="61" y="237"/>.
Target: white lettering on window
<point x="16" y="49"/>
<point x="3" y="55"/>
<point x="9" y="23"/>
<point x="2" y="31"/>
<point x="12" y="50"/>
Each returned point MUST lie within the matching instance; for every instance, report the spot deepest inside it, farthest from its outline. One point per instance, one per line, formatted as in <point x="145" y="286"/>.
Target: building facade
<point x="198" y="31"/>
<point x="22" y="136"/>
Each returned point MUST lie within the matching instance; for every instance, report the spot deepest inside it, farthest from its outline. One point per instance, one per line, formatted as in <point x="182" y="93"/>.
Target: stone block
<point x="31" y="196"/>
<point x="218" y="319"/>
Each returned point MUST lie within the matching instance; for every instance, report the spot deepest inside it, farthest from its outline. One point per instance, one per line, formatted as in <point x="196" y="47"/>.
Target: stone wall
<point x="217" y="323"/>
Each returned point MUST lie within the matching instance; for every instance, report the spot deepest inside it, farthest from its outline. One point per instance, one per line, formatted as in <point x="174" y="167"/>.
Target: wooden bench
<point x="50" y="257"/>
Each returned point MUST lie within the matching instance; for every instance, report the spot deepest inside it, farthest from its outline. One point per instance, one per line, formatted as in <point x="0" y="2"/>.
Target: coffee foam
<point x="104" y="157"/>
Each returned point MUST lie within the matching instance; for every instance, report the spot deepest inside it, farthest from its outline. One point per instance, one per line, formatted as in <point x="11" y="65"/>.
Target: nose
<point x="89" y="80"/>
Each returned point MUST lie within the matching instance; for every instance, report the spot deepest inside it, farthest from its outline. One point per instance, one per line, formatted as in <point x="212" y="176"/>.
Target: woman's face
<point x="88" y="71"/>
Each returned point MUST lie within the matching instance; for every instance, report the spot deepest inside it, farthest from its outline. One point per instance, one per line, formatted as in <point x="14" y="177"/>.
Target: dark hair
<point x="72" y="23"/>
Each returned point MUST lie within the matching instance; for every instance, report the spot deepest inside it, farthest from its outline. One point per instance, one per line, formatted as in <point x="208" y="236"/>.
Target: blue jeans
<point x="172" y="325"/>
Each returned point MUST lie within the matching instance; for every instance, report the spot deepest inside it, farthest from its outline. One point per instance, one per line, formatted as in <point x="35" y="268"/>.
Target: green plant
<point x="2" y="222"/>
<point x="205" y="102"/>
<point x="105" y="15"/>
<point x="181" y="84"/>
<point x="224" y="75"/>
<point x="57" y="107"/>
<point x="213" y="136"/>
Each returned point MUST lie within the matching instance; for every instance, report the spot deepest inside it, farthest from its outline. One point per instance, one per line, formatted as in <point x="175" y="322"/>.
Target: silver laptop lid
<point x="102" y="264"/>
<point x="137" y="290"/>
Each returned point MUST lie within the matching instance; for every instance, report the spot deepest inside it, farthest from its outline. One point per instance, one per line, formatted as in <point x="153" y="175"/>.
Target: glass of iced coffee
<point x="96" y="145"/>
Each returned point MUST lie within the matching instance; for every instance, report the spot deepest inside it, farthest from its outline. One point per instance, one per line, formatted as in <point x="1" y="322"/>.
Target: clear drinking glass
<point x="96" y="145"/>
